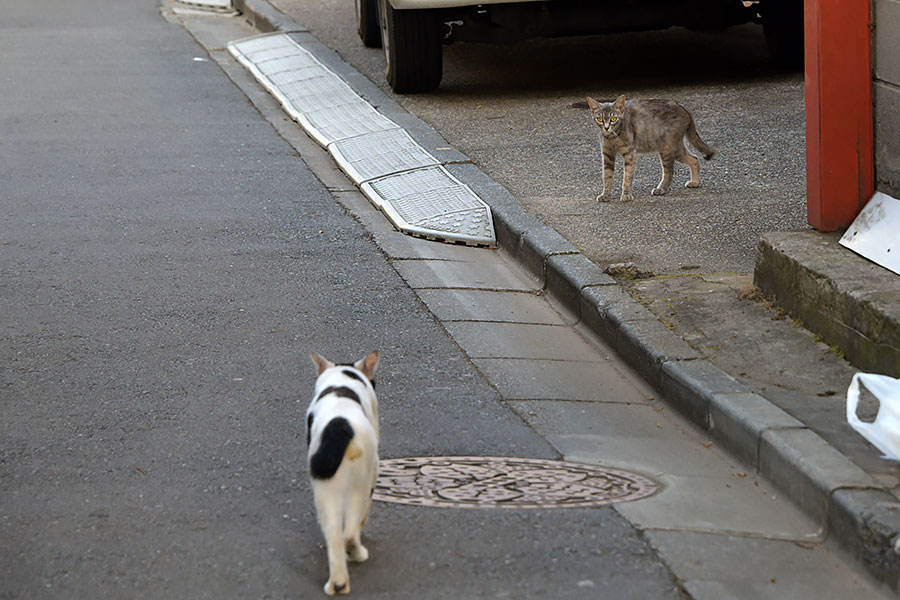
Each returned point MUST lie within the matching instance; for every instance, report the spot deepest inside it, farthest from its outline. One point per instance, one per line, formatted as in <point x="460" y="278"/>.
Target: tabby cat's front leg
<point x="609" y="168"/>
<point x="630" y="159"/>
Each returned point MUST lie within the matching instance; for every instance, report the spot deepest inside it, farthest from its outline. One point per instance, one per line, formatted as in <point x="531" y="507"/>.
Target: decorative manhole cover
<point x="493" y="482"/>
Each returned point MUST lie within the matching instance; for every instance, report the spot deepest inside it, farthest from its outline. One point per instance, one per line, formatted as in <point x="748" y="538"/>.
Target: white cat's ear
<point x="322" y="364"/>
<point x="619" y="104"/>
<point x="592" y="104"/>
<point x="369" y="364"/>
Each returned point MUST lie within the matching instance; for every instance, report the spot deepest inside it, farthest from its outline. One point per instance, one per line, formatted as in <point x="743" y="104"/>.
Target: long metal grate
<point x="398" y="176"/>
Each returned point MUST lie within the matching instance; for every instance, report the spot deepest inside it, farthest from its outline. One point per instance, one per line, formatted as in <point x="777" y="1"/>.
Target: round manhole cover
<point x="494" y="482"/>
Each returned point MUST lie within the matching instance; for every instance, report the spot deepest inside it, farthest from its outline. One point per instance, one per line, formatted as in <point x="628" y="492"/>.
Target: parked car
<point x="412" y="32"/>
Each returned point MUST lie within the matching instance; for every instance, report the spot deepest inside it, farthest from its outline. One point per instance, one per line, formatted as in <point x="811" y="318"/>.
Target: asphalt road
<point x="167" y="262"/>
<point x="516" y="111"/>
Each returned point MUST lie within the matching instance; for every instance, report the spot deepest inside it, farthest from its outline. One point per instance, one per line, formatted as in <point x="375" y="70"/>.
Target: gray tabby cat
<point x="642" y="126"/>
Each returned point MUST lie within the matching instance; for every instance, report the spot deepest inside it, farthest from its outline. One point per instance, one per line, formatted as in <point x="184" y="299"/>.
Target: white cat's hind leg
<point x="330" y="519"/>
<point x="356" y="552"/>
<point x="338" y="577"/>
<point x="357" y="513"/>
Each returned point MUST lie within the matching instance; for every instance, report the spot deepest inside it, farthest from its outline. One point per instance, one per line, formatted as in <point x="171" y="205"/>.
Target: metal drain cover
<point x="431" y="203"/>
<point x="405" y="181"/>
<point x="324" y="105"/>
<point x="495" y="482"/>
<point x="366" y="157"/>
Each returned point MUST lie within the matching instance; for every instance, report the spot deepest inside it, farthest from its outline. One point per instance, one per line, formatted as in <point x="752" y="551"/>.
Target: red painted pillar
<point x="840" y="170"/>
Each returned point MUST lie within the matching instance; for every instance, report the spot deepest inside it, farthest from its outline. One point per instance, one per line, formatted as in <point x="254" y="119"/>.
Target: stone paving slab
<point x="455" y="274"/>
<point x="713" y="567"/>
<point x="561" y="417"/>
<point x="646" y="438"/>
<point x="655" y="456"/>
<point x="527" y="379"/>
<point x="705" y="489"/>
<point x="489" y="305"/>
<point x="519" y="340"/>
<point x="717" y="505"/>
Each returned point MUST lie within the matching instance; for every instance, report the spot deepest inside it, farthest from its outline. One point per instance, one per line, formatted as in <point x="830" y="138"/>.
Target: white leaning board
<point x="875" y="233"/>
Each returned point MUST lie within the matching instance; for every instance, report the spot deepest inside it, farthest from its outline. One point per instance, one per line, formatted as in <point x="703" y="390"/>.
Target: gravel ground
<point x="517" y="111"/>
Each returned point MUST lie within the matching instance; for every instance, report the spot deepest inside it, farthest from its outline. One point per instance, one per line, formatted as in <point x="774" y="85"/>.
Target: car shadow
<point x="627" y="61"/>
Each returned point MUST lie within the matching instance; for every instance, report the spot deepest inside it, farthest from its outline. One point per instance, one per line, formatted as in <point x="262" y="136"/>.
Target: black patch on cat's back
<point x="328" y="457"/>
<point x="341" y="391"/>
<point x="352" y="375"/>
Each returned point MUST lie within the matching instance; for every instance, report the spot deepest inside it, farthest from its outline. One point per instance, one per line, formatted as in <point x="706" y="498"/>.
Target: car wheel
<point x="783" y="27"/>
<point x="367" y="23"/>
<point x="412" y="48"/>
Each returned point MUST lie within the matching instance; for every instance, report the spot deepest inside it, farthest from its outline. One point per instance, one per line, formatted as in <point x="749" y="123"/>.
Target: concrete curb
<point x="857" y="511"/>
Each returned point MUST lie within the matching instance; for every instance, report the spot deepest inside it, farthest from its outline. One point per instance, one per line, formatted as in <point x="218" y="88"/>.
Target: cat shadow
<point x="625" y="61"/>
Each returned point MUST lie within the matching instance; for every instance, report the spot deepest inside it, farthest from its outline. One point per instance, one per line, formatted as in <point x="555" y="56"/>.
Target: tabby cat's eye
<point x="599" y="120"/>
<point x="613" y="119"/>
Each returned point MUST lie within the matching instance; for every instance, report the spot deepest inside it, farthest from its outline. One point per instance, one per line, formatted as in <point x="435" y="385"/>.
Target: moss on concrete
<point x="852" y="303"/>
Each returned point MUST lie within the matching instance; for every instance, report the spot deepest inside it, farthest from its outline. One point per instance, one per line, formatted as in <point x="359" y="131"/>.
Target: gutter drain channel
<point x="405" y="181"/>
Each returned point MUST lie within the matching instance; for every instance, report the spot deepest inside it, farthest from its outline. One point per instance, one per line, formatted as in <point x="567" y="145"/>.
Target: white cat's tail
<point x="694" y="138"/>
<point x="335" y="442"/>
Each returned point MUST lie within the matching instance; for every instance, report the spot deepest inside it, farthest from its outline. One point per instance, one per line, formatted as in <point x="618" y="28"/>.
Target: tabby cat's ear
<point x="369" y="364"/>
<point x="619" y="104"/>
<point x="593" y="104"/>
<point x="322" y="364"/>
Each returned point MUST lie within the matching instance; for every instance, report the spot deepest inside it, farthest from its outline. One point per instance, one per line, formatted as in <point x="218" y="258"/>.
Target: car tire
<point x="783" y="27"/>
<point x="412" y="48"/>
<point x="367" y="23"/>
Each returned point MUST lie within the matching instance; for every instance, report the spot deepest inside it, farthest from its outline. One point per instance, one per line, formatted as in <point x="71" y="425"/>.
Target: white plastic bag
<point x="884" y="432"/>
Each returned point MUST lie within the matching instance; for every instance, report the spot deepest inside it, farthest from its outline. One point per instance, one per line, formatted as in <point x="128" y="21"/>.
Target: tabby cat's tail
<point x="694" y="138"/>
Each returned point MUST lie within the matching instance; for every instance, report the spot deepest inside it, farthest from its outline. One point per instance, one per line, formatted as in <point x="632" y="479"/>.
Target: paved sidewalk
<point x="167" y="262"/>
<point x="763" y="387"/>
<point x="568" y="387"/>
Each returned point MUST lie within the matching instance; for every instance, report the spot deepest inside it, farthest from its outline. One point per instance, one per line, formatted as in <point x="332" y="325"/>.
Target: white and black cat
<point x="342" y="433"/>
